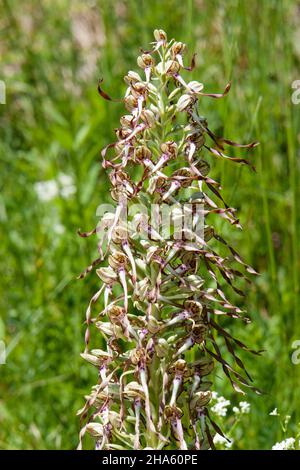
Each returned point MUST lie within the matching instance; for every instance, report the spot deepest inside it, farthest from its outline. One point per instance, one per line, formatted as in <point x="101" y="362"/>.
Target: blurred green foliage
<point x="52" y="53"/>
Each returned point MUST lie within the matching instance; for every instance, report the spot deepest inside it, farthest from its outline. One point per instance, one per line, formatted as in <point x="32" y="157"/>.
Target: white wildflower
<point x="46" y="190"/>
<point x="236" y="410"/>
<point x="65" y="180"/>
<point x="286" y="444"/>
<point x="245" y="407"/>
<point x="67" y="187"/>
<point x="58" y="228"/>
<point x="274" y="412"/>
<point x="218" y="439"/>
<point x="220" y="408"/>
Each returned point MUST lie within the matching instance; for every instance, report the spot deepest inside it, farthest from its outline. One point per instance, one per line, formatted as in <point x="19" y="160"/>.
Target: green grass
<point x="54" y="122"/>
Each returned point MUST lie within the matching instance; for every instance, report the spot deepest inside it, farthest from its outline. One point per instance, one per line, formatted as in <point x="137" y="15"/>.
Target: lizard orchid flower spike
<point x="163" y="297"/>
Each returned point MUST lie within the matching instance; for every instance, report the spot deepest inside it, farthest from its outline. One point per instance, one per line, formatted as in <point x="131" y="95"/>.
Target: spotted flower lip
<point x="163" y="298"/>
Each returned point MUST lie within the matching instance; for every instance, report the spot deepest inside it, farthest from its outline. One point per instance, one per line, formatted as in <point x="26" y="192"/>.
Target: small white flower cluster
<point x="221" y="405"/>
<point x="286" y="444"/>
<point x="243" y="408"/>
<point x="274" y="412"/>
<point x="48" y="190"/>
<point x="218" y="439"/>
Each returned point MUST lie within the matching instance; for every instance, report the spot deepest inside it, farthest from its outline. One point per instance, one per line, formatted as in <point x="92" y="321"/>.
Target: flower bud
<point x="172" y="67"/>
<point x="127" y="121"/>
<point x="142" y="153"/>
<point x="179" y="366"/>
<point x="177" y="48"/>
<point x="115" y="313"/>
<point x="186" y="174"/>
<point x="195" y="87"/>
<point x="118" y="260"/>
<point x="204" y="366"/>
<point x="195" y="281"/>
<point x="148" y="117"/>
<point x="132" y="77"/>
<point x="160" y="35"/>
<point x="199" y="331"/>
<point x="105" y="327"/>
<point x="119" y="234"/>
<point x="123" y="133"/>
<point x="138" y="89"/>
<point x="154" y="109"/>
<point x="184" y="102"/>
<point x="96" y="361"/>
<point x="130" y="102"/>
<point x="169" y="147"/>
<point x="100" y="353"/>
<point x="107" y="275"/>
<point x="114" y="419"/>
<point x="145" y="60"/>
<point x="162" y="348"/>
<point x="136" y="355"/>
<point x="95" y="429"/>
<point x="193" y="306"/>
<point x="133" y="390"/>
<point x="119" y="147"/>
<point x="153" y="325"/>
<point x="200" y="399"/>
<point x="172" y="412"/>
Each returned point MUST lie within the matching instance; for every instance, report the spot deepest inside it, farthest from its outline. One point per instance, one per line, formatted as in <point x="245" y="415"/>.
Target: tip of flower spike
<point x="160" y="35"/>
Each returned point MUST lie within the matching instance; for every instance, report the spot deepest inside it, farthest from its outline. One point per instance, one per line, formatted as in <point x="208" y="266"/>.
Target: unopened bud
<point x="133" y="390"/>
<point x="195" y="87"/>
<point x="118" y="260"/>
<point x="126" y="121"/>
<point x="177" y="48"/>
<point x="96" y="361"/>
<point x="172" y="412"/>
<point x="136" y="355"/>
<point x="148" y="117"/>
<point x="160" y="35"/>
<point x="95" y="429"/>
<point x="193" y="306"/>
<point x="138" y="89"/>
<point x="100" y="353"/>
<point x="130" y="102"/>
<point x="184" y="102"/>
<point x="162" y="347"/>
<point x="179" y="366"/>
<point x="132" y="77"/>
<point x="172" y="67"/>
<point x="107" y="275"/>
<point x="119" y="234"/>
<point x="195" y="281"/>
<point x="123" y="133"/>
<point x="153" y="325"/>
<point x="199" y="332"/>
<point x="142" y="153"/>
<point x="185" y="174"/>
<point x="115" y="312"/>
<point x="145" y="60"/>
<point x="169" y="147"/>
<point x="200" y="399"/>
